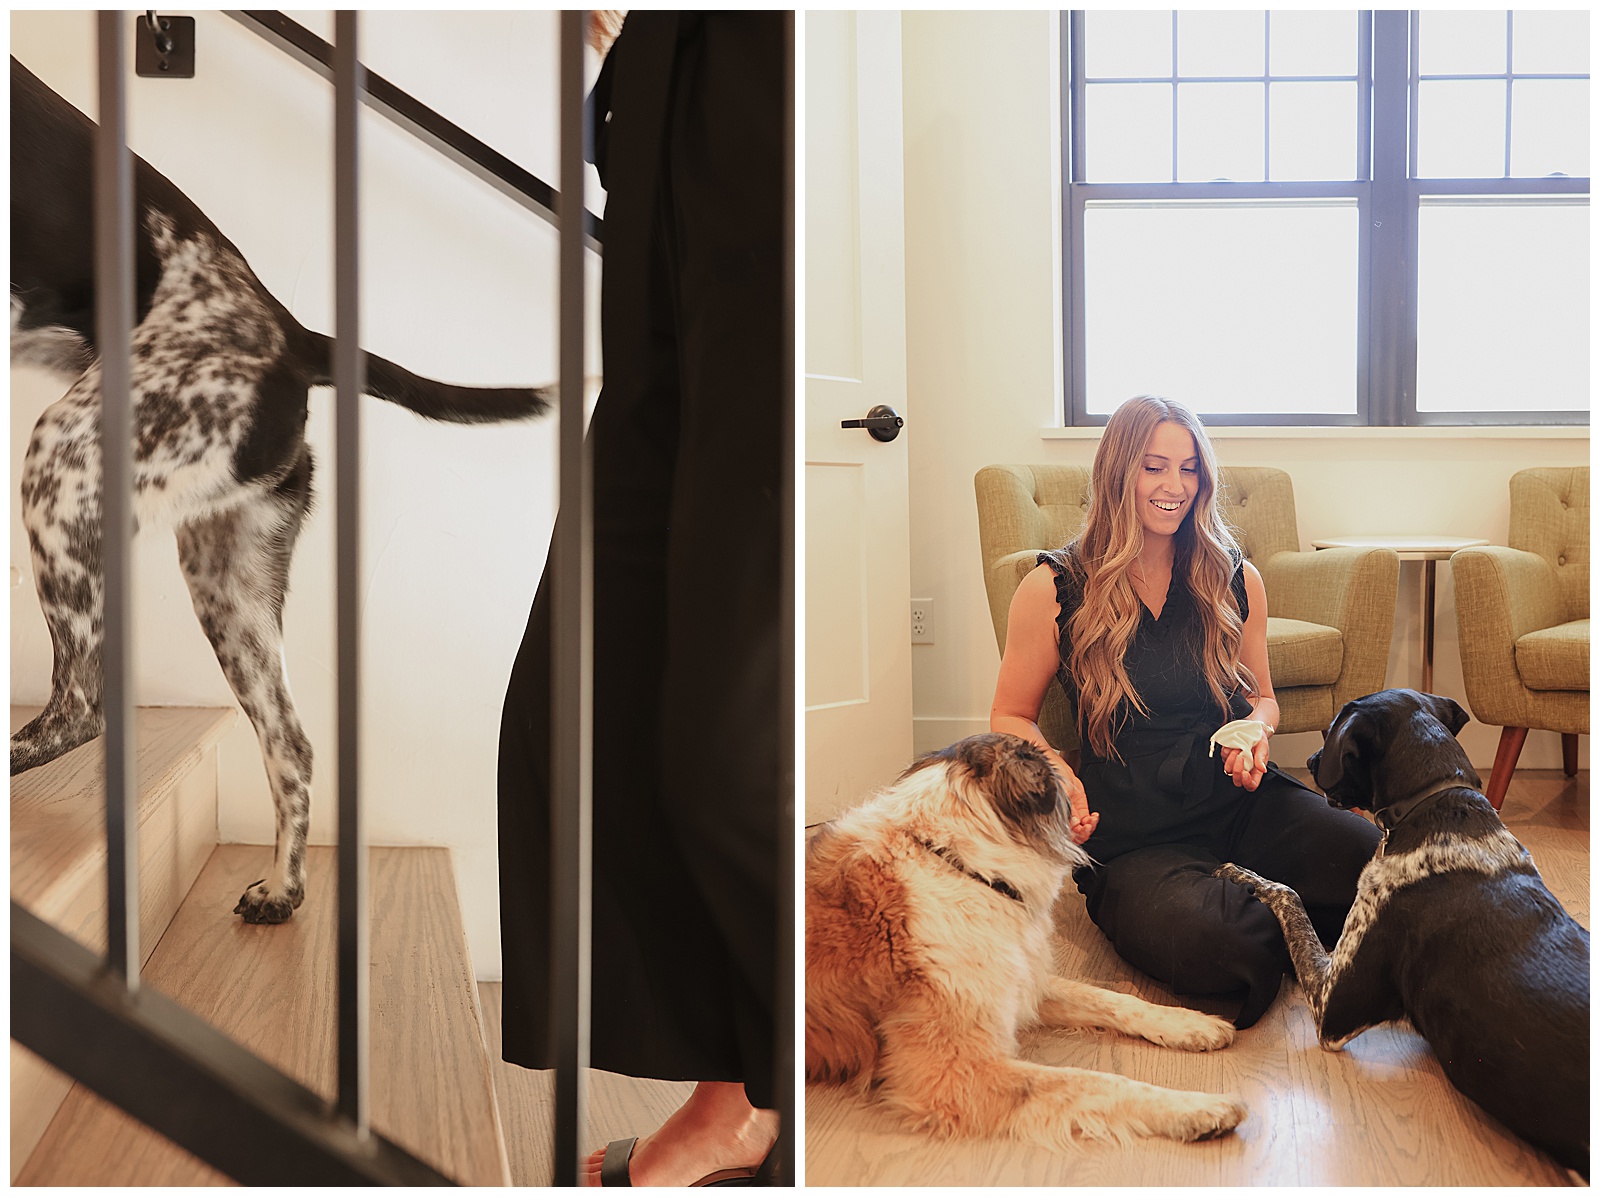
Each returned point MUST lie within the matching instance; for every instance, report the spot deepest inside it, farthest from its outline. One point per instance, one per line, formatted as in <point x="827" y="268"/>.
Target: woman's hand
<point x="1082" y="821"/>
<point x="1247" y="766"/>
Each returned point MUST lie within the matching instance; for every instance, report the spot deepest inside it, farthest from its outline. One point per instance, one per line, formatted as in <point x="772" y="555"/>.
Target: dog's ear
<point x="1341" y="765"/>
<point x="1446" y="710"/>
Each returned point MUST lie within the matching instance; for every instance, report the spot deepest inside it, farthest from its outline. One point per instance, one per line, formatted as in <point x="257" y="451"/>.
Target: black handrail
<point x="405" y="110"/>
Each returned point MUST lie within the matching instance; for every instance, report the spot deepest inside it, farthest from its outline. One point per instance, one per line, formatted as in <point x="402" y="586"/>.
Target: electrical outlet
<point x="921" y="621"/>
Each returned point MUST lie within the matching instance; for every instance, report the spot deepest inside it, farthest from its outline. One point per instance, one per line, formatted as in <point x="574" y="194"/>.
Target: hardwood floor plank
<point x="58" y="854"/>
<point x="1380" y="1112"/>
<point x="429" y="1048"/>
<point x="92" y="1143"/>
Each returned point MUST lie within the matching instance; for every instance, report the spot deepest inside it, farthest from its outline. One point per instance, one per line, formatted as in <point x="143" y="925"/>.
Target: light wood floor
<point x="1378" y="1113"/>
<point x="620" y="1107"/>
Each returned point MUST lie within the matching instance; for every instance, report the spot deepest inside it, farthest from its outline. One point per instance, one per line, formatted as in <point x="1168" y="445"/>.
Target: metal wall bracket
<point x="164" y="47"/>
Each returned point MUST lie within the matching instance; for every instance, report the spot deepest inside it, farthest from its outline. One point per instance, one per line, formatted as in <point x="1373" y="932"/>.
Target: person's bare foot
<point x="716" y="1129"/>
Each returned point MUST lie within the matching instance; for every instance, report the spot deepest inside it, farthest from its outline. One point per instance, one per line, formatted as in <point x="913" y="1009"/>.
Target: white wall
<point x="983" y="320"/>
<point x="458" y="283"/>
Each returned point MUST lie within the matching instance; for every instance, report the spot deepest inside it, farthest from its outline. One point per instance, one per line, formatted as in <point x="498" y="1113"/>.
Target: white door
<point x="858" y="555"/>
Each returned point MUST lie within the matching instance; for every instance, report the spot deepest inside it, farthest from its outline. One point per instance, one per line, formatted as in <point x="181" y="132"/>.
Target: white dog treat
<point x="1241" y="733"/>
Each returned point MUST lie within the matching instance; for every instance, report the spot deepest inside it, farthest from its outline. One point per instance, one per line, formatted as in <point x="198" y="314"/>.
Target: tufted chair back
<point x="1021" y="509"/>
<point x="1550" y="517"/>
<point x="1258" y="501"/>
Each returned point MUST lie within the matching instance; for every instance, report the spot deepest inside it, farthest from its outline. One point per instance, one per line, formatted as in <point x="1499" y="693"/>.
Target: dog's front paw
<point x="1238" y="874"/>
<point x="258" y="904"/>
<point x="1200" y="1116"/>
<point x="1189" y="1030"/>
<point x="1218" y="1117"/>
<point x="1259" y="885"/>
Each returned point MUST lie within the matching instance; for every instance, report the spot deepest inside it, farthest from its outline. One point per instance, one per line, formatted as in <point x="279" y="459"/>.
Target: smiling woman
<point x="1154" y="624"/>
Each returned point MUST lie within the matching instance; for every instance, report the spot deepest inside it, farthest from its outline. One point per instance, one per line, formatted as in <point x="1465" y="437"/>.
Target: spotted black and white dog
<point x="1452" y="926"/>
<point x="220" y="378"/>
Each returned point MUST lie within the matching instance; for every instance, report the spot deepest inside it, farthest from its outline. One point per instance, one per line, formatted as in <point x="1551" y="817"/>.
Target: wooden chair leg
<point x="1505" y="763"/>
<point x="1569" y="753"/>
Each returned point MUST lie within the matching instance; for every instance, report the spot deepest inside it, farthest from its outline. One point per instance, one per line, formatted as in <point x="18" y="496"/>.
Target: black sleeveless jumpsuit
<point x="687" y="438"/>
<point x="1170" y="814"/>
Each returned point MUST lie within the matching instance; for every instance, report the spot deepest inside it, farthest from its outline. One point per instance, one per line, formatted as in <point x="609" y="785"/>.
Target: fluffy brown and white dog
<point x="928" y="928"/>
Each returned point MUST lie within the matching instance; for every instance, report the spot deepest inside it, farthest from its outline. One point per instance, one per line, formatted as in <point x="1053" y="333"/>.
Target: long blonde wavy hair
<point x="1205" y="552"/>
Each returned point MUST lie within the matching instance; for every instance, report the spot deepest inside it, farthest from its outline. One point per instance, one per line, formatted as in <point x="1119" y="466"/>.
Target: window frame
<point x="1388" y="200"/>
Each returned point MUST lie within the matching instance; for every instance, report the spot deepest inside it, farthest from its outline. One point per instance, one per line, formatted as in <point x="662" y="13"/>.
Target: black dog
<point x="220" y="371"/>
<point x="1451" y="926"/>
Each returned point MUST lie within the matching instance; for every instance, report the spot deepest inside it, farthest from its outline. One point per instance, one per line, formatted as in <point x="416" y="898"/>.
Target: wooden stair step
<point x="274" y="990"/>
<point x="58" y="857"/>
<point x="58" y="842"/>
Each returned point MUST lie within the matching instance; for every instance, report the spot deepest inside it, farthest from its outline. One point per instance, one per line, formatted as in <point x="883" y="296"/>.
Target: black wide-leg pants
<point x="686" y="440"/>
<point x="1198" y="934"/>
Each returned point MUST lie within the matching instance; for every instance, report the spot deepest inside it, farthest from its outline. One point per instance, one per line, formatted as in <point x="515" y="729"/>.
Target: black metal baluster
<point x="348" y="372"/>
<point x="572" y="656"/>
<point x="783" y="1026"/>
<point x="113" y="202"/>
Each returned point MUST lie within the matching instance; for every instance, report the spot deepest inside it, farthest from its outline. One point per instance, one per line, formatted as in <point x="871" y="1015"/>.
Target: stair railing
<point x="421" y="121"/>
<point x="88" y="1015"/>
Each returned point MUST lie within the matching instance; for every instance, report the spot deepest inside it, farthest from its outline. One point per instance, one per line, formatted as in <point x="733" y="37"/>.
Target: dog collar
<point x="1392" y="815"/>
<point x="998" y="884"/>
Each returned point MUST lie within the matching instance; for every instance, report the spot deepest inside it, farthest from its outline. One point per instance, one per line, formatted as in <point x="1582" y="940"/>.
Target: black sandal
<point x="619" y="1154"/>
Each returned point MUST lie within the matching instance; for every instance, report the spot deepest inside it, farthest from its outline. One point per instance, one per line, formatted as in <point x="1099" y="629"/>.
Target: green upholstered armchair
<point x="1523" y="616"/>
<point x="1330" y="613"/>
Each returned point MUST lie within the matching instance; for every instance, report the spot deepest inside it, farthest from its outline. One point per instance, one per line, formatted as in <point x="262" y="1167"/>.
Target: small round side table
<point x="1429" y="550"/>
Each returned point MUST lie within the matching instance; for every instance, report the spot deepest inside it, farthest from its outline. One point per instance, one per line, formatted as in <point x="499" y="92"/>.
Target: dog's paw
<point x="1254" y="882"/>
<point x="1237" y="874"/>
<point x="1189" y="1030"/>
<point x="258" y="904"/>
<point x="1208" y="1117"/>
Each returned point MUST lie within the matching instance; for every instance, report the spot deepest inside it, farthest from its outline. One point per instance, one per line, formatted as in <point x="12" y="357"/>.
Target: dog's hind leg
<point x="61" y="512"/>
<point x="237" y="566"/>
<point x="1074" y="1004"/>
<point x="958" y="1081"/>
<point x="187" y="421"/>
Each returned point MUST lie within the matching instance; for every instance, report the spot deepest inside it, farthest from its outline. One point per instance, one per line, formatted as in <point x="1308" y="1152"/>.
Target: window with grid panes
<point x="1322" y="218"/>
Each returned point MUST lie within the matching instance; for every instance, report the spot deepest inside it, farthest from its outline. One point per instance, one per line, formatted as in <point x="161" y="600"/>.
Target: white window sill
<point x="1504" y="432"/>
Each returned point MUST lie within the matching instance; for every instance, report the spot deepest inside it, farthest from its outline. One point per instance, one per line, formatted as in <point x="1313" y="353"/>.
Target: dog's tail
<point x="428" y="398"/>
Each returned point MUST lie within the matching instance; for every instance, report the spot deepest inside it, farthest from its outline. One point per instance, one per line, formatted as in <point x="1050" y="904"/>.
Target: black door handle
<point x="882" y="422"/>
